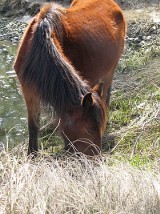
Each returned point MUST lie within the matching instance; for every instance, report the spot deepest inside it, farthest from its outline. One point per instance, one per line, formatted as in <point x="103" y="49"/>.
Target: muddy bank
<point x="15" y="8"/>
<point x="11" y="29"/>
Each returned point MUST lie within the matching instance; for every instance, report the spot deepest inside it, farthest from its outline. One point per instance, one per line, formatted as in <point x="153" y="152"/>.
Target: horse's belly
<point x="93" y="60"/>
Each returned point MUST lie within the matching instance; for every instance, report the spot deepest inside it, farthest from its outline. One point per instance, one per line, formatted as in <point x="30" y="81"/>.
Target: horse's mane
<point x="45" y="67"/>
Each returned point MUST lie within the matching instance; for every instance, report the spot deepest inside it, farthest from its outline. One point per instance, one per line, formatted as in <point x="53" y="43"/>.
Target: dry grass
<point x="75" y="185"/>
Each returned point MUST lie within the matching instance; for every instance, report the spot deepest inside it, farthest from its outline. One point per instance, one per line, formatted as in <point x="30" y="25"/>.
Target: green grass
<point x="137" y="57"/>
<point x="134" y="117"/>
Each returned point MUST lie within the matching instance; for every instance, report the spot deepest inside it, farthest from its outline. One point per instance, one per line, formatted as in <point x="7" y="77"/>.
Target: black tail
<point x="46" y="68"/>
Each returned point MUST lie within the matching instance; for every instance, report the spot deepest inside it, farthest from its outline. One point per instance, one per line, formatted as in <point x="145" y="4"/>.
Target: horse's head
<point x="82" y="128"/>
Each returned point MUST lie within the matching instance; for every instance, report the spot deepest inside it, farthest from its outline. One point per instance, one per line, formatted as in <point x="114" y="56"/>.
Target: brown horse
<point x="64" y="57"/>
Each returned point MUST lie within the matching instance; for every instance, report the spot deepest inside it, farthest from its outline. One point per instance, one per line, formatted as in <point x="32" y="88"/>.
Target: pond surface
<point x="12" y="107"/>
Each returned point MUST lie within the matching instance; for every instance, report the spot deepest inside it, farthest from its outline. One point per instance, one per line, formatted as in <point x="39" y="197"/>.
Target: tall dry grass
<point x="75" y="185"/>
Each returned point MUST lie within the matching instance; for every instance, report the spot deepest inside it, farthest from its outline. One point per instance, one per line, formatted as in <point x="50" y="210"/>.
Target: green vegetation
<point x="134" y="117"/>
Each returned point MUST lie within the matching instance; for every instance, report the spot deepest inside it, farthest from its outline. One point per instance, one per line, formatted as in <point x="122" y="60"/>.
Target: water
<point x="13" y="124"/>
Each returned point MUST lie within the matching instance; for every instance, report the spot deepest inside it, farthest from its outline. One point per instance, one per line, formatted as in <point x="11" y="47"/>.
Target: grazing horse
<point x="66" y="60"/>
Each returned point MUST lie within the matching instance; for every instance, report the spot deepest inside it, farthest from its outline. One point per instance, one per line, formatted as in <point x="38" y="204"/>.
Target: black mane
<point x="48" y="70"/>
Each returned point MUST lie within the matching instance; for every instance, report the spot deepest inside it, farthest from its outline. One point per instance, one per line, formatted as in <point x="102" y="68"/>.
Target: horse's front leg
<point x="32" y="100"/>
<point x="107" y="80"/>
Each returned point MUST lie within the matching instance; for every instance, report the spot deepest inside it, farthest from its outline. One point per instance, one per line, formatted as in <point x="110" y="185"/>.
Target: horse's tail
<point x="46" y="67"/>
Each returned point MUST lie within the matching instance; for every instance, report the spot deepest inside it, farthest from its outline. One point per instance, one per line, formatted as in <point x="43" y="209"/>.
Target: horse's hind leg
<point x="32" y="100"/>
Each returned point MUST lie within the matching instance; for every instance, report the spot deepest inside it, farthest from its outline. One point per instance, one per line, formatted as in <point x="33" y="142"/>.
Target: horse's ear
<point x="99" y="88"/>
<point x="87" y="101"/>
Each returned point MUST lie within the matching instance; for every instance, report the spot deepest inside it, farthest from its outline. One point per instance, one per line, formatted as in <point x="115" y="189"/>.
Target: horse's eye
<point x="89" y="131"/>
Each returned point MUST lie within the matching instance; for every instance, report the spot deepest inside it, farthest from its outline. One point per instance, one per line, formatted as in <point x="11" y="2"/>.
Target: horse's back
<point x="94" y="36"/>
